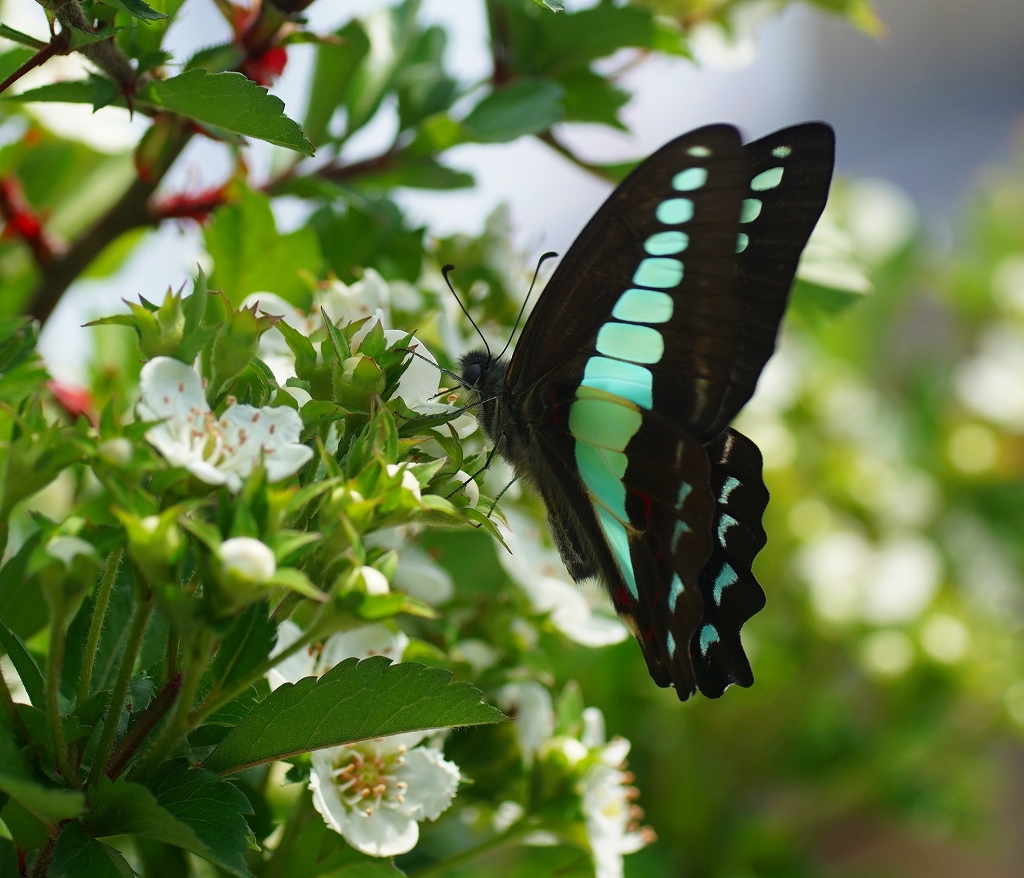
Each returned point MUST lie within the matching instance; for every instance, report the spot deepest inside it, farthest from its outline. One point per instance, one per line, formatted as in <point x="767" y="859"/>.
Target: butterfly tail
<point x="731" y="594"/>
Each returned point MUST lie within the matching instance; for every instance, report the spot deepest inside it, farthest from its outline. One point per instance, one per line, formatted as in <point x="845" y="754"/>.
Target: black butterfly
<point x="646" y="343"/>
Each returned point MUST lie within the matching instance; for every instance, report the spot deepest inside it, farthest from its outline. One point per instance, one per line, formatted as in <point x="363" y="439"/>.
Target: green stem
<point x="179" y="723"/>
<point x="216" y="700"/>
<point x="136" y="629"/>
<point x="54" y="661"/>
<point x="171" y="655"/>
<point x="96" y="625"/>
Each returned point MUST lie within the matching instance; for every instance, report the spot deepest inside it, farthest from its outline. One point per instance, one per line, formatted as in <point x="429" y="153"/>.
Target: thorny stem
<point x="96" y="625"/>
<point x="178" y="725"/>
<point x="146" y="722"/>
<point x="136" y="630"/>
<point x="57" y="46"/>
<point x="54" y="661"/>
<point x="105" y="54"/>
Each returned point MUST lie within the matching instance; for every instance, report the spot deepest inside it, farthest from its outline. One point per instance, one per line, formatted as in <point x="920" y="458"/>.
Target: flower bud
<point x="155" y="543"/>
<point x="241" y="574"/>
<point x="116" y="452"/>
<point x="160" y="331"/>
<point x="236" y="344"/>
<point x="357" y="382"/>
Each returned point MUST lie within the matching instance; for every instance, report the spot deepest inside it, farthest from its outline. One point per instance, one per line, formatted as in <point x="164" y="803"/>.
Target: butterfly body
<point x="648" y="339"/>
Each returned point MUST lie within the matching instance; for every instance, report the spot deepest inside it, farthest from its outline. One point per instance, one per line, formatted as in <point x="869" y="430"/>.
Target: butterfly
<point x="647" y="341"/>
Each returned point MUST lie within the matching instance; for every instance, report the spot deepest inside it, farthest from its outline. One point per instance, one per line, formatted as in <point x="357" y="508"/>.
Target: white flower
<point x="362" y="642"/>
<point x="218" y="451"/>
<point x="248" y="558"/>
<point x="409" y="480"/>
<point x="374" y="793"/>
<point x="530" y="705"/>
<point x="540" y="573"/>
<point x="607" y="797"/>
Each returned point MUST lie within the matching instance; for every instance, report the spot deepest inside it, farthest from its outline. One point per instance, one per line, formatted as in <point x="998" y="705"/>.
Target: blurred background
<point x="884" y="734"/>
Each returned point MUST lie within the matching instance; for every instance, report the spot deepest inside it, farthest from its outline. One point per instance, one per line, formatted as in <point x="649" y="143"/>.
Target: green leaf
<point x="9" y="33"/>
<point x="46" y="803"/>
<point x="78" y="856"/>
<point x="137" y="9"/>
<point x="81" y="38"/>
<point x="592" y="98"/>
<point x="353" y="701"/>
<point x="230" y="101"/>
<point x="413" y="172"/>
<point x="185" y="807"/>
<point x="24" y="664"/>
<point x="332" y="77"/>
<point x="77" y="91"/>
<point x="374" y="237"/>
<point x="248" y="642"/>
<point x="528" y="106"/>
<point x="21" y="602"/>
<point x="250" y="255"/>
<point x="12" y="60"/>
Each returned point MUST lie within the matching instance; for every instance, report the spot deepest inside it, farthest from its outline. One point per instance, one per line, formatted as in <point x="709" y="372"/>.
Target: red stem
<point x="57" y="46"/>
<point x="146" y="722"/>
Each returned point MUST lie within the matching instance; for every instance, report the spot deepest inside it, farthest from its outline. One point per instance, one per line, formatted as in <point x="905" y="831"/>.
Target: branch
<point x="57" y="46"/>
<point x="23" y="222"/>
<point x="597" y="170"/>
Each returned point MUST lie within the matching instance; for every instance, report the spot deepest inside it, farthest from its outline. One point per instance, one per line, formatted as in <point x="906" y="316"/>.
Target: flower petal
<point x="432" y="780"/>
<point x="363" y="642"/>
<point x="295" y="667"/>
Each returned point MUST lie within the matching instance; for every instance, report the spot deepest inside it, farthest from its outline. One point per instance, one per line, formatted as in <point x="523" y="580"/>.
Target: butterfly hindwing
<point x="731" y="594"/>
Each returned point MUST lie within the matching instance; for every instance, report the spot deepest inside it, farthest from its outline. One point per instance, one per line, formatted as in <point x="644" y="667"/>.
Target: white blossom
<point x="362" y="642"/>
<point x="248" y="558"/>
<point x="530" y="705"/>
<point x="409" y="481"/>
<point x="374" y="581"/>
<point x="374" y="793"/>
<point x="218" y="451"/>
<point x="540" y="573"/>
<point x="607" y="798"/>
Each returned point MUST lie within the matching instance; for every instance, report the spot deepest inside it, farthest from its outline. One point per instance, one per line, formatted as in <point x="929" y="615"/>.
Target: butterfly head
<point x="482" y="377"/>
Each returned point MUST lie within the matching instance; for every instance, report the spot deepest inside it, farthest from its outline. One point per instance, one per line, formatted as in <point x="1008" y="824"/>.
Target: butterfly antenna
<point x="549" y="255"/>
<point x="448" y="268"/>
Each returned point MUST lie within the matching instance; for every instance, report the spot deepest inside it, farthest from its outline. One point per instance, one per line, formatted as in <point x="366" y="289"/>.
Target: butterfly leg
<point x="483" y="469"/>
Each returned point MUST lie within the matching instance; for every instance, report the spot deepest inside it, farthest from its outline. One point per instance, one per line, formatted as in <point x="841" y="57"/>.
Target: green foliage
<point x="353" y="701"/>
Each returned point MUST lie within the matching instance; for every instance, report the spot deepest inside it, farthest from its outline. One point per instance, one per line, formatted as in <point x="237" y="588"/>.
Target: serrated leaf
<point x="24" y="664"/>
<point x="137" y="9"/>
<point x="353" y="701"/>
<point x="230" y="101"/>
<point x="46" y="803"/>
<point x="78" y="856"/>
<point x="21" y="602"/>
<point x="81" y="38"/>
<point x="185" y="807"/>
<point x="528" y="106"/>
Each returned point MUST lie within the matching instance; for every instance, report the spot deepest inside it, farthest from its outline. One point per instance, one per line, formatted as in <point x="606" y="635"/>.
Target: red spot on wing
<point x="648" y="504"/>
<point x="621" y="600"/>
